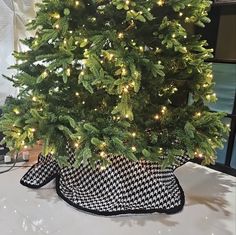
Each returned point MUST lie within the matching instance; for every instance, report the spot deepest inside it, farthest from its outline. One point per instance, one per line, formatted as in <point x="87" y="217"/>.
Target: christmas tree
<point x="120" y="77"/>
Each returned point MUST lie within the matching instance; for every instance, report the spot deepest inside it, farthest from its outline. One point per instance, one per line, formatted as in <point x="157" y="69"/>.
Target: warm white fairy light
<point x="123" y="71"/>
<point x="127" y="2"/>
<point x="16" y="111"/>
<point x="77" y="3"/>
<point x="127" y="116"/>
<point x="77" y="93"/>
<point x="134" y="134"/>
<point x="141" y="48"/>
<point x="45" y="74"/>
<point x="57" y="26"/>
<point x="83" y="102"/>
<point x="102" y="154"/>
<point x="160" y="2"/>
<point x="57" y="16"/>
<point x="187" y="19"/>
<point x="156" y="117"/>
<point x="198" y="114"/>
<point x="34" y="98"/>
<point x="133" y="148"/>
<point x="33" y="130"/>
<point x="163" y="109"/>
<point x="76" y="145"/>
<point x="173" y="35"/>
<point x="120" y="35"/>
<point x="103" y="168"/>
<point x="82" y="73"/>
<point x="68" y="71"/>
<point x="181" y="14"/>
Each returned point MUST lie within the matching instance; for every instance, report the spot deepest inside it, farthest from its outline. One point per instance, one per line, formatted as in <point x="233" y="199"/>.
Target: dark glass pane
<point x="225" y="88"/>
<point x="221" y="153"/>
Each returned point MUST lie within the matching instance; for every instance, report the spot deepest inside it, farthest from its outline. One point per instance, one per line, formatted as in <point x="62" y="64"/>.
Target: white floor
<point x="210" y="209"/>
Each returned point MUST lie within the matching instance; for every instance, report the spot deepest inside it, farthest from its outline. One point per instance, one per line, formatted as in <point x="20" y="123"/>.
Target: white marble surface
<point x="210" y="209"/>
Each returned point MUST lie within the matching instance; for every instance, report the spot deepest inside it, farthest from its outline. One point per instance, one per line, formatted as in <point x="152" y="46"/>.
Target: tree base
<point x="124" y="187"/>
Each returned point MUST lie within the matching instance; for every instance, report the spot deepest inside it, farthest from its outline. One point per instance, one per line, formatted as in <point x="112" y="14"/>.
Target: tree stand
<point x="125" y="187"/>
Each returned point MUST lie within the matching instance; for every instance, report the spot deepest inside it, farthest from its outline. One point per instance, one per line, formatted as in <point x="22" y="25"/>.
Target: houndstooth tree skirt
<point x="124" y="187"/>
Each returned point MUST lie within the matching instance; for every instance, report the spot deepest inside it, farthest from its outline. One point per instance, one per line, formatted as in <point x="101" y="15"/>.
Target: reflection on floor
<point x="210" y="209"/>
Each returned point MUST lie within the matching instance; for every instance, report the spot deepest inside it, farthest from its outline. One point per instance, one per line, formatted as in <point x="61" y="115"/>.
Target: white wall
<point x="14" y="14"/>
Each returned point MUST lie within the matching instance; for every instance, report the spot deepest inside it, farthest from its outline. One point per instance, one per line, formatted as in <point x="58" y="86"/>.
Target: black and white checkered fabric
<point x="41" y="173"/>
<point x="123" y="187"/>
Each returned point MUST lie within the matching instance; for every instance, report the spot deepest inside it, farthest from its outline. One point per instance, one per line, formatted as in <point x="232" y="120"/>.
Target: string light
<point x="103" y="154"/>
<point x="34" y="98"/>
<point x="127" y="2"/>
<point x="156" y="117"/>
<point x="103" y="168"/>
<point x="77" y="3"/>
<point x="16" y="111"/>
<point x="77" y="93"/>
<point x="45" y="74"/>
<point x="83" y="102"/>
<point x="32" y="129"/>
<point x="76" y="145"/>
<point x="68" y="71"/>
<point x="163" y="109"/>
<point x="199" y="114"/>
<point x="57" y="16"/>
<point x="141" y="48"/>
<point x="123" y="71"/>
<point x="126" y="116"/>
<point x="57" y="26"/>
<point x="160" y="2"/>
<point x="134" y="148"/>
<point x="181" y="14"/>
<point x="120" y="35"/>
<point x="134" y="134"/>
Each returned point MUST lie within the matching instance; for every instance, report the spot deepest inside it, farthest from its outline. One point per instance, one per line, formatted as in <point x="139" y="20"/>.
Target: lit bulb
<point x="82" y="73"/>
<point x="103" y="168"/>
<point x="16" y="111"/>
<point x="77" y="93"/>
<point x="120" y="35"/>
<point x="133" y="148"/>
<point x="123" y="71"/>
<point x="45" y="74"/>
<point x="77" y="3"/>
<point x="68" y="72"/>
<point x="83" y="102"/>
<point x="134" y="134"/>
<point x="198" y="114"/>
<point x="32" y="129"/>
<point x="141" y="48"/>
<point x="57" y="16"/>
<point x="57" y="26"/>
<point x="187" y="19"/>
<point x="181" y="14"/>
<point x="160" y="2"/>
<point x="102" y="154"/>
<point x="156" y="117"/>
<point x="173" y="35"/>
<point x="127" y="2"/>
<point x="34" y="98"/>
<point x="76" y="145"/>
<point x="127" y="116"/>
